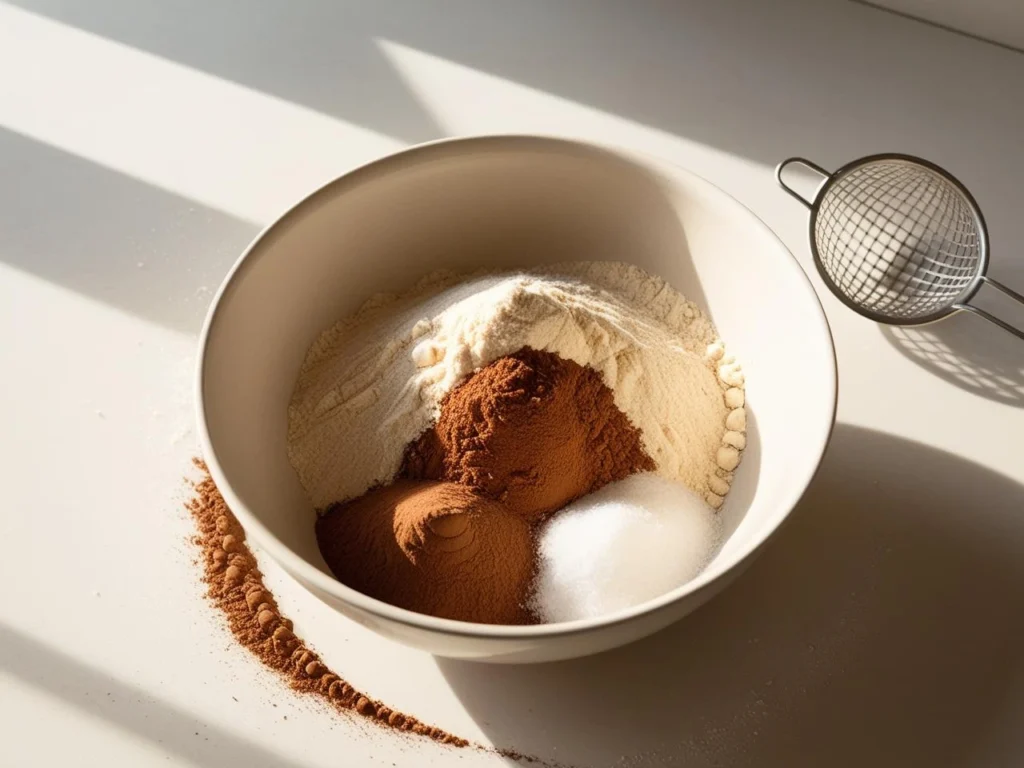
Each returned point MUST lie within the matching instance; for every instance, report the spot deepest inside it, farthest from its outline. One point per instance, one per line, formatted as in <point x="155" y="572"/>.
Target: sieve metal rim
<point x="830" y="180"/>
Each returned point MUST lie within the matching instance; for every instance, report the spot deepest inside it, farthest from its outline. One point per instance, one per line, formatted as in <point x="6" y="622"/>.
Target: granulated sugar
<point x="621" y="546"/>
<point x="373" y="383"/>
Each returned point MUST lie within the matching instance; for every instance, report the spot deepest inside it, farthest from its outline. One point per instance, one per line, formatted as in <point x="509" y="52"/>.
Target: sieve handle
<point x="806" y="164"/>
<point x="992" y="318"/>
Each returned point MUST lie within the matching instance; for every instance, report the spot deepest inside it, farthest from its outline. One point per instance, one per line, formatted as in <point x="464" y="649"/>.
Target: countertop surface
<point x="144" y="143"/>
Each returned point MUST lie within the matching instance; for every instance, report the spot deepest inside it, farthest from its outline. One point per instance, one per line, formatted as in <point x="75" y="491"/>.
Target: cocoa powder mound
<point x="531" y="430"/>
<point x="432" y="547"/>
<point x="235" y="585"/>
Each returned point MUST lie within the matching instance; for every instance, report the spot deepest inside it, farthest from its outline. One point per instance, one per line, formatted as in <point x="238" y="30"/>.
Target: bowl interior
<point x="504" y="203"/>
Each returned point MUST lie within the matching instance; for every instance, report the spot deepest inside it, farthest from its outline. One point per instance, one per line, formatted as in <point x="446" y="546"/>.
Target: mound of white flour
<point x="372" y="383"/>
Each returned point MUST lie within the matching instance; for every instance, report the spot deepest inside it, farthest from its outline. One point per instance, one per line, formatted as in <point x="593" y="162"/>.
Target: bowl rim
<point x="300" y="568"/>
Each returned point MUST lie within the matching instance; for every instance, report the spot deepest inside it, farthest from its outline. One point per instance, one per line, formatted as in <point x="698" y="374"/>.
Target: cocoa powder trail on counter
<point x="235" y="585"/>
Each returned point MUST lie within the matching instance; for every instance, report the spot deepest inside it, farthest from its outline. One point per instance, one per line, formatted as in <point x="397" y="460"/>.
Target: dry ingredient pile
<point x="449" y="436"/>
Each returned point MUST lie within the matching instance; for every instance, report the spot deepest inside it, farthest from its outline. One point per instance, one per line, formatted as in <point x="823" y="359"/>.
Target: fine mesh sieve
<point x="898" y="240"/>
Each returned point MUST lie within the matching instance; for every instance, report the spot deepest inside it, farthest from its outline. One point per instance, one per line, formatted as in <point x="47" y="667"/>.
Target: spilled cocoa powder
<point x="235" y="585"/>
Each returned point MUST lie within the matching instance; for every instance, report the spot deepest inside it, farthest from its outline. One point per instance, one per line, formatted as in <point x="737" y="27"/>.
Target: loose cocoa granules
<point x="235" y="586"/>
<point x="434" y="548"/>
<point x="532" y="430"/>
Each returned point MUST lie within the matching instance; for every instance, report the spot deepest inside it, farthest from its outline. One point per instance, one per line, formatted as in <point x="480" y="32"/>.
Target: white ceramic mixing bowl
<point x="510" y="202"/>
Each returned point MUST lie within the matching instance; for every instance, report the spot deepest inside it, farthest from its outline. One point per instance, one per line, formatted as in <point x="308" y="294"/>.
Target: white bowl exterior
<point x="507" y="202"/>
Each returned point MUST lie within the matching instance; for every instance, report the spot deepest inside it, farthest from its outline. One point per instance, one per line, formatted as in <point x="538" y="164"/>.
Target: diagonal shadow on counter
<point x="127" y="706"/>
<point x="882" y="627"/>
<point x="317" y="54"/>
<point x="111" y="237"/>
<point x="756" y="80"/>
<point x="968" y="353"/>
<point x="751" y="78"/>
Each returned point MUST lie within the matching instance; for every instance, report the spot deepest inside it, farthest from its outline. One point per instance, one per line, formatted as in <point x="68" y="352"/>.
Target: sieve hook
<point x="807" y="164"/>
<point x="985" y="280"/>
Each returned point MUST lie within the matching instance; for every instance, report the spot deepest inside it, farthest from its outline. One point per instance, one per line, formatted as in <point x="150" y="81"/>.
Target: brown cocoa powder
<point x="235" y="586"/>
<point x="434" y="548"/>
<point x="531" y="430"/>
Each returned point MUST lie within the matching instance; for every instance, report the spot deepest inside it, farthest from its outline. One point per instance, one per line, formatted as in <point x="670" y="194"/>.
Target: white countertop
<point x="143" y="143"/>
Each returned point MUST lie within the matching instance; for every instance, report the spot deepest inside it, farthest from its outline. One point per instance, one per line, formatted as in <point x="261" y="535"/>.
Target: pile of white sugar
<point x="616" y="548"/>
<point x="374" y="382"/>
